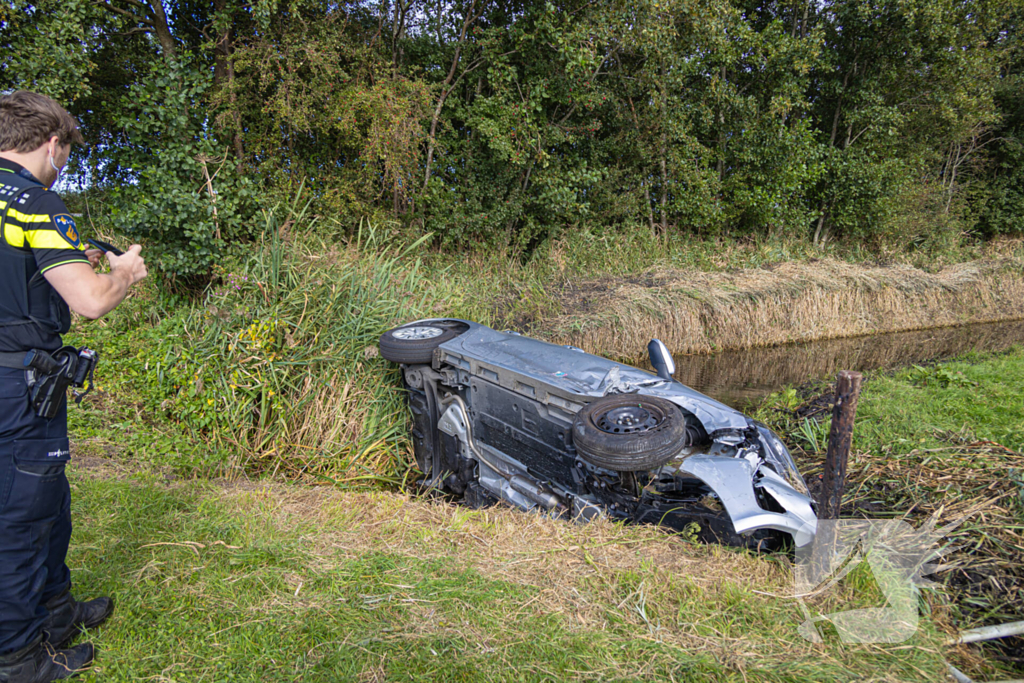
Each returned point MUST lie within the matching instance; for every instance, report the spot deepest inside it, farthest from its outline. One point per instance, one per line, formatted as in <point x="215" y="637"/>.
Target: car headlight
<point x="779" y="457"/>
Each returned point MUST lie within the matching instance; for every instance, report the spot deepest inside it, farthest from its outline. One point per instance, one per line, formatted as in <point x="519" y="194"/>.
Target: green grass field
<point x="253" y="582"/>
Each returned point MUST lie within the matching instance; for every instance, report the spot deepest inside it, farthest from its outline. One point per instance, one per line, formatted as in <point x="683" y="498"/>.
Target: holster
<point x="49" y="375"/>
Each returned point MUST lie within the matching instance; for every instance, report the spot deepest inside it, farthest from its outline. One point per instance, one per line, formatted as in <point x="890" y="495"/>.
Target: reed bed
<point x="970" y="481"/>
<point x="322" y="403"/>
<point x="699" y="312"/>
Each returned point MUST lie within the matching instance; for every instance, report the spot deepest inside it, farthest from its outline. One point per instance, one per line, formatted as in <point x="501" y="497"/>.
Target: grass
<point x="274" y="582"/>
<point x="272" y="372"/>
<point x="703" y="312"/>
<point x="980" y="393"/>
<point x="944" y="440"/>
<point x="273" y="369"/>
<point x="504" y="288"/>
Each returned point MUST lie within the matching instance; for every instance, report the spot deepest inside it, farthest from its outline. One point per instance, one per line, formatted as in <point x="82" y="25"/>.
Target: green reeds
<point x="281" y="364"/>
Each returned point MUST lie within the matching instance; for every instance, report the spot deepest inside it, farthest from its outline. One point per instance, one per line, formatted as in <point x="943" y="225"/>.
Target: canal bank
<point x="697" y="312"/>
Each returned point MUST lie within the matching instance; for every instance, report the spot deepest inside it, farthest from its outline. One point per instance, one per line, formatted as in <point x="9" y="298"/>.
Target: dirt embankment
<point x="697" y="312"/>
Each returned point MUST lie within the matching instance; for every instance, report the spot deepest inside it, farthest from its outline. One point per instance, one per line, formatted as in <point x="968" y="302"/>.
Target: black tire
<point x="629" y="432"/>
<point x="415" y="343"/>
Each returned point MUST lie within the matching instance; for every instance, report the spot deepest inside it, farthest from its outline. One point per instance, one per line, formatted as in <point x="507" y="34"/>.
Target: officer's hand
<point x="94" y="256"/>
<point x="130" y="263"/>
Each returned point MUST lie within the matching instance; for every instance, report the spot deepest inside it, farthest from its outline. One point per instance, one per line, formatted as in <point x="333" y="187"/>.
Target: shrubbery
<point x="512" y="124"/>
<point x="276" y="367"/>
<point x="178" y="190"/>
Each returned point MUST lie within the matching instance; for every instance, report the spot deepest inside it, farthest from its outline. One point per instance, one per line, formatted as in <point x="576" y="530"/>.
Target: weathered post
<point x="839" y="440"/>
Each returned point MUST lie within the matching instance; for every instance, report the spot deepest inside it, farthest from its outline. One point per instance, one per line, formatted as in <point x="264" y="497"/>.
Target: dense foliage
<point x="509" y="121"/>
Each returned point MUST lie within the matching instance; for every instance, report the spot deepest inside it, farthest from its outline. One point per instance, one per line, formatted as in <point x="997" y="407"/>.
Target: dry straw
<point x="696" y="312"/>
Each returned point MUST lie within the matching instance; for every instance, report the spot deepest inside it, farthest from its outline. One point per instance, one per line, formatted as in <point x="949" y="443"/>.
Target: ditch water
<point x="741" y="378"/>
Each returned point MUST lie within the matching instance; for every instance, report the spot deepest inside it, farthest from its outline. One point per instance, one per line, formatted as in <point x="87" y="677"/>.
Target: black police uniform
<point x="36" y="234"/>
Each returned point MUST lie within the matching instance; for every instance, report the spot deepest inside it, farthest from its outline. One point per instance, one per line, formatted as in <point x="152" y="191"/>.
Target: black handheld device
<point x="104" y="246"/>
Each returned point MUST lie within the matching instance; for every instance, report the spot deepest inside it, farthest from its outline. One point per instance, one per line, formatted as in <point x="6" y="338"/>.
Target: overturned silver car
<point x="501" y="417"/>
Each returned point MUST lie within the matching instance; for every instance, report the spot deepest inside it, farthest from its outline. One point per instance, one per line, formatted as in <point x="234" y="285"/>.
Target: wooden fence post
<point x="839" y="439"/>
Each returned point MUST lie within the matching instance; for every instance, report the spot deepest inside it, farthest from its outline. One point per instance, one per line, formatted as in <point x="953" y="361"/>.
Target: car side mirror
<point x="661" y="359"/>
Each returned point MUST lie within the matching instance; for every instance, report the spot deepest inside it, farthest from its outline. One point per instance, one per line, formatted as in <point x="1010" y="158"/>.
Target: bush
<point x="1003" y="212"/>
<point x="179" y="193"/>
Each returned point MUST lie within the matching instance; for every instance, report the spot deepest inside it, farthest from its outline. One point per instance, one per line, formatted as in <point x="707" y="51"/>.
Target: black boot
<point x="40" y="663"/>
<point x="67" y="617"/>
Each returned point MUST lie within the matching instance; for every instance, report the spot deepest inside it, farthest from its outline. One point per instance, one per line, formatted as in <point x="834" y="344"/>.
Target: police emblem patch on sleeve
<point x="67" y="229"/>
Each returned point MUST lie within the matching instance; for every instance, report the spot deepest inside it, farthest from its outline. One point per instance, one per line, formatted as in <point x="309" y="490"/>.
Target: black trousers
<point x="35" y="512"/>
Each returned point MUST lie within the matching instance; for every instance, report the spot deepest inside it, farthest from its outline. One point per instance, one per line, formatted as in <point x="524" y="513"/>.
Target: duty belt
<point x="16" y="361"/>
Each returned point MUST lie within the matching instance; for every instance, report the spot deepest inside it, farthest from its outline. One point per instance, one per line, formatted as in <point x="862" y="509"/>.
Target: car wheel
<point x="415" y="343"/>
<point x="629" y="432"/>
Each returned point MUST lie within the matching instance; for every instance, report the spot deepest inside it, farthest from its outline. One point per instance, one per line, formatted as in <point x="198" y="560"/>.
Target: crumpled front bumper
<point x="734" y="481"/>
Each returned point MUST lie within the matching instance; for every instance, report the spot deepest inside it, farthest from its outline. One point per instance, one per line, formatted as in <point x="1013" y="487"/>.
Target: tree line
<point x="513" y="121"/>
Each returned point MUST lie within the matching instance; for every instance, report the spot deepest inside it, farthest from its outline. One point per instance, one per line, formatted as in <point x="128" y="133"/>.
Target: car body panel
<point x="570" y="373"/>
<point x="722" y="474"/>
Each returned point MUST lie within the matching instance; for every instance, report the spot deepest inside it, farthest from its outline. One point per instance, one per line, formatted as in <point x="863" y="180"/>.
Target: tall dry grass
<point x="699" y="312"/>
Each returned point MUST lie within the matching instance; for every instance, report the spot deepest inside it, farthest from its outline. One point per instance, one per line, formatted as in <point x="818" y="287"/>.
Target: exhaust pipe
<point x="535" y="492"/>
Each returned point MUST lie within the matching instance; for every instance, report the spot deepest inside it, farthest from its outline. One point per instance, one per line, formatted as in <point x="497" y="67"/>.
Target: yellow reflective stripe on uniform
<point x="27" y="217"/>
<point x="14" y="235"/>
<point x="42" y="238"/>
<point x="3" y="205"/>
<point x="61" y="263"/>
<point x="46" y="239"/>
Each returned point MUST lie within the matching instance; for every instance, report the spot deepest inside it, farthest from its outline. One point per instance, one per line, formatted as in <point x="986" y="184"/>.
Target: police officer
<point x="44" y="271"/>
